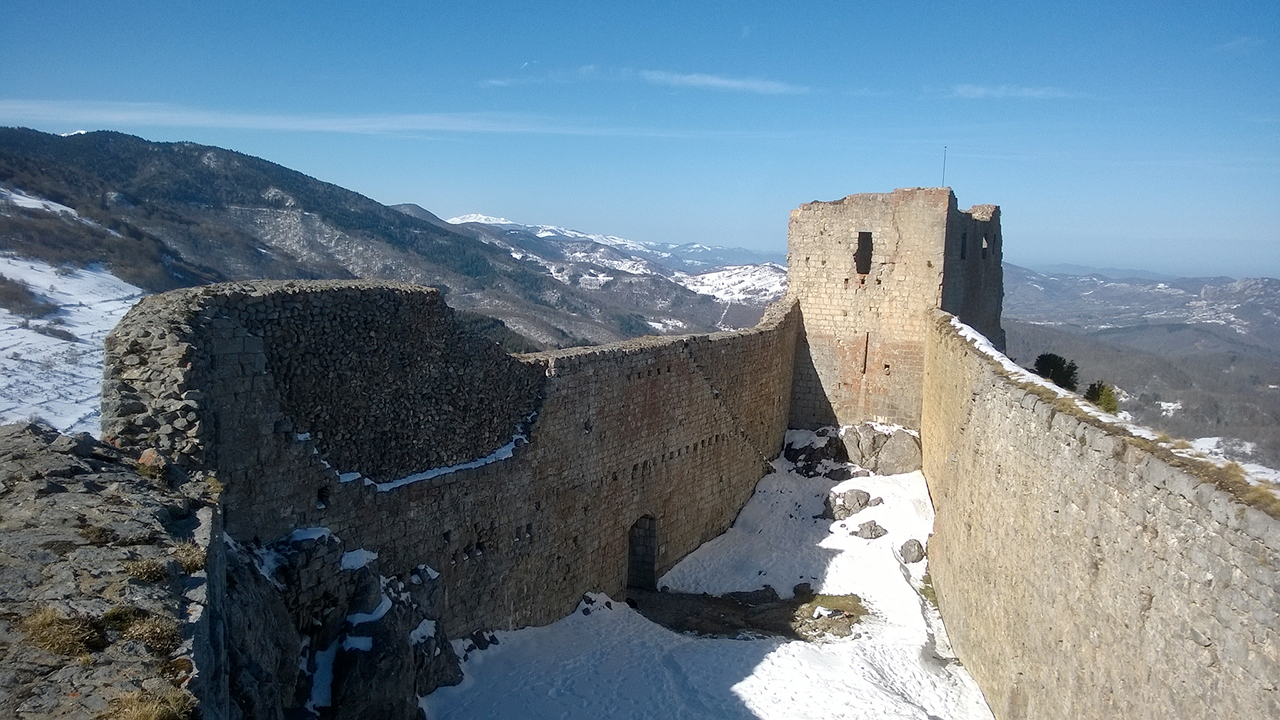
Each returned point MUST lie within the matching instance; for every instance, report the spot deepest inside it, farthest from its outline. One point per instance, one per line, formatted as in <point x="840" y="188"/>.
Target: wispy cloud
<point x="717" y="82"/>
<point x="974" y="92"/>
<point x="118" y="115"/>
<point x="586" y="73"/>
<point x="1239" y="45"/>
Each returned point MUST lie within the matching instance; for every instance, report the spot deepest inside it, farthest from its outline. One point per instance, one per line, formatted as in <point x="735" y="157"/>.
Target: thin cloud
<point x="1240" y="45"/>
<point x="975" y="92"/>
<point x="118" y="114"/>
<point x="717" y="82"/>
<point x="586" y="73"/>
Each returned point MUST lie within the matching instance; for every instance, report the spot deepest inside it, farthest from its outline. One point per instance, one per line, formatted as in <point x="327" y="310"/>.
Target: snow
<point x="361" y="618"/>
<point x="356" y="559"/>
<point x="31" y="202"/>
<point x="425" y="631"/>
<point x="477" y="218"/>
<point x="742" y="284"/>
<point x="322" y="679"/>
<point x="607" y="660"/>
<point x="666" y="325"/>
<point x="502" y="453"/>
<point x="1167" y="409"/>
<point x="50" y="378"/>
<point x="357" y="642"/>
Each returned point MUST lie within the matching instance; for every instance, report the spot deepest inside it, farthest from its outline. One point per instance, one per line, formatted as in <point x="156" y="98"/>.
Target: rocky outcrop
<point x="103" y="582"/>
<point x="882" y="449"/>
<point x="118" y="589"/>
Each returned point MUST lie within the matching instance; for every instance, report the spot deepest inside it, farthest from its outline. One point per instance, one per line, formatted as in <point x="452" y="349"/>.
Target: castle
<point x="1081" y="573"/>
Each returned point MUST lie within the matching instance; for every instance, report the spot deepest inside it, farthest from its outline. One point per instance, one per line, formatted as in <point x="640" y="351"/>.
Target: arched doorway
<point x="642" y="554"/>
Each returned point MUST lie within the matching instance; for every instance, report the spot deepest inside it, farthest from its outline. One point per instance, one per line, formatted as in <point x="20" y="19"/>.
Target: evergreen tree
<point x="1061" y="371"/>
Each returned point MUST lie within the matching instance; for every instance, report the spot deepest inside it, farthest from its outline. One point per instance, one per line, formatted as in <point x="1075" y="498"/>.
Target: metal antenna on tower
<point x="944" y="166"/>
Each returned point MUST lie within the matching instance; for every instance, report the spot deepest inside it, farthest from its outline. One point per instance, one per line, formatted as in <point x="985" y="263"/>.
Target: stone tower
<point x="867" y="270"/>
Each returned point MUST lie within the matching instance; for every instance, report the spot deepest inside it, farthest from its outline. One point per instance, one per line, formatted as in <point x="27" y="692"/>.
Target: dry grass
<point x="927" y="591"/>
<point x="51" y="630"/>
<point x="159" y="634"/>
<point x="190" y="556"/>
<point x="168" y="704"/>
<point x="121" y="617"/>
<point x="98" y="535"/>
<point x="147" y="570"/>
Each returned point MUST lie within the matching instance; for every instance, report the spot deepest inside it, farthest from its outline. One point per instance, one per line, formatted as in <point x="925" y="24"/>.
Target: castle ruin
<point x="1081" y="574"/>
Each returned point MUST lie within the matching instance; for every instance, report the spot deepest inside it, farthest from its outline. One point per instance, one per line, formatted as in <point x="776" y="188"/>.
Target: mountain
<point x="1194" y="357"/>
<point x="745" y="281"/>
<point x="165" y="215"/>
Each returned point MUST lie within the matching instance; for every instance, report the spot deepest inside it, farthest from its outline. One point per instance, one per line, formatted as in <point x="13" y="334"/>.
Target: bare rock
<point x="870" y="530"/>
<point x="842" y="505"/>
<point x="912" y="551"/>
<point x="899" y="454"/>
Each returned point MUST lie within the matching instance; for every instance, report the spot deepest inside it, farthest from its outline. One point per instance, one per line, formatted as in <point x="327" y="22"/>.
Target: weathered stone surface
<point x="281" y="396"/>
<point x="900" y="454"/>
<point x="841" y="505"/>
<point x="1108" y="568"/>
<point x="74" y="548"/>
<point x="883" y="449"/>
<point x="861" y="352"/>
<point x="912" y="551"/>
<point x="870" y="530"/>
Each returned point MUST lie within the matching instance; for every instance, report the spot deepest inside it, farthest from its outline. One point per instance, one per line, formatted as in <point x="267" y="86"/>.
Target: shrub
<point x="17" y="298"/>
<point x="1061" y="371"/>
<point x="1099" y="393"/>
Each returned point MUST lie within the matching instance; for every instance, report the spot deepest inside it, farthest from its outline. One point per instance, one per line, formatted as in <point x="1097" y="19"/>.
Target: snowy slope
<point x="757" y="285"/>
<point x="52" y="378"/>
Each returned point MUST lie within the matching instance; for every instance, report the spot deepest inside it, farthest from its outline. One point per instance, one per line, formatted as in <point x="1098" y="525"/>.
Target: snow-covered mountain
<point x="692" y="258"/>
<point x="733" y="276"/>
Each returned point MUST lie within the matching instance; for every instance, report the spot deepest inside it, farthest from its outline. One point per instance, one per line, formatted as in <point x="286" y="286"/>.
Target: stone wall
<point x="861" y="353"/>
<point x="305" y="425"/>
<point x="1081" y="575"/>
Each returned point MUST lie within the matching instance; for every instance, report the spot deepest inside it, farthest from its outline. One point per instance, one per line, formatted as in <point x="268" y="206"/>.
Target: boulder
<point x="912" y="551"/>
<point x="899" y="454"/>
<point x="841" y="505"/>
<point x="870" y="530"/>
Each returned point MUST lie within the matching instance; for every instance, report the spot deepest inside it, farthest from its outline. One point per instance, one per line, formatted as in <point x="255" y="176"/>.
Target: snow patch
<point x="356" y="559"/>
<point x="424" y="632"/>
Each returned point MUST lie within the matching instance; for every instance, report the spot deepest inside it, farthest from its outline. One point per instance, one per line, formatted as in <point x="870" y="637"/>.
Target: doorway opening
<point x="642" y="554"/>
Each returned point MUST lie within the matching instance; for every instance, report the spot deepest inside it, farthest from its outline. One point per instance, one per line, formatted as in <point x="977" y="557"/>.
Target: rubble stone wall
<point x="1080" y="575"/>
<point x="308" y="400"/>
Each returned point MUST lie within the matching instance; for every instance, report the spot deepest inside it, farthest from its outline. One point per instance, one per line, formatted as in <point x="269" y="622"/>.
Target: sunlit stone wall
<point x="308" y="401"/>
<point x="1080" y="575"/>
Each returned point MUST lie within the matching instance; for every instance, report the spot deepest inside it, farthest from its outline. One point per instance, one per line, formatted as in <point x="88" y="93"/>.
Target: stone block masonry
<point x="867" y="270"/>
<point x="1081" y="576"/>
<point x="285" y="390"/>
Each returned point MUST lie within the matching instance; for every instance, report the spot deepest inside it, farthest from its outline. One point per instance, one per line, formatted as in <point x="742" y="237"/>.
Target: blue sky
<point x="1116" y="134"/>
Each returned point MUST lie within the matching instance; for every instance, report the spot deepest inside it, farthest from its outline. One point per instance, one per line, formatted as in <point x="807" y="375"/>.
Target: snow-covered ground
<point x="52" y="378"/>
<point x="606" y="660"/>
<point x="742" y="284"/>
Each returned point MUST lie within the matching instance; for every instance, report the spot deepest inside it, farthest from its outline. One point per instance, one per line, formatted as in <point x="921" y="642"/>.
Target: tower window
<point x="862" y="258"/>
<point x="964" y="244"/>
<point x="984" y="247"/>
